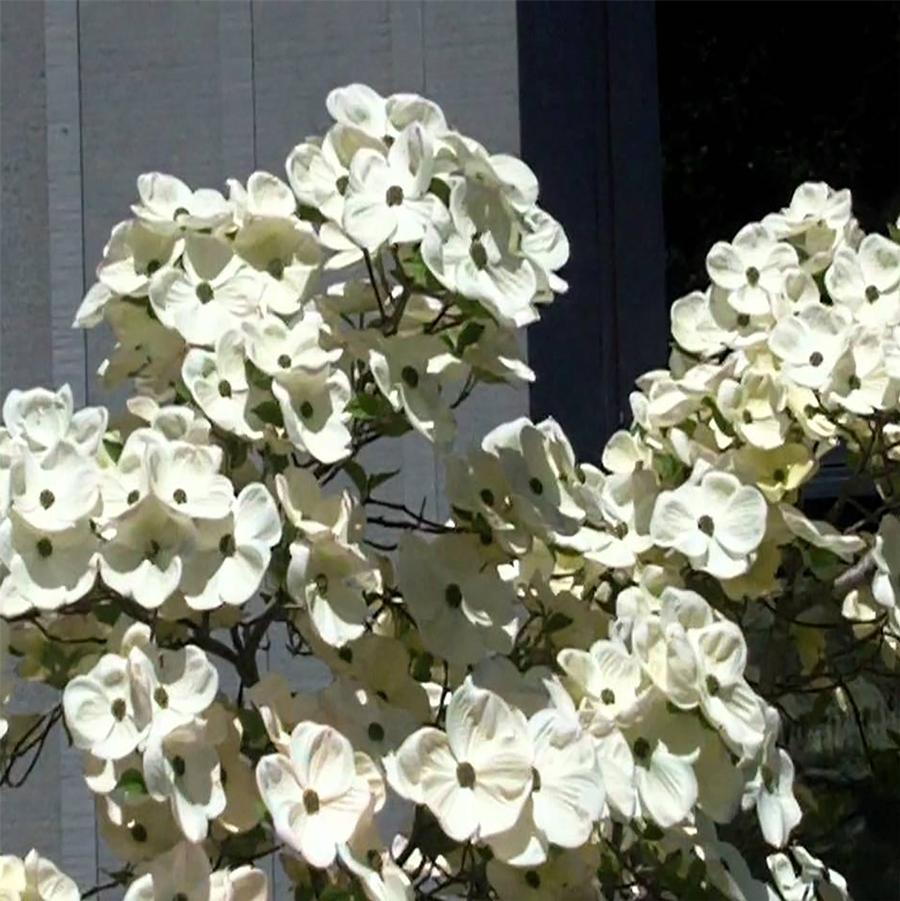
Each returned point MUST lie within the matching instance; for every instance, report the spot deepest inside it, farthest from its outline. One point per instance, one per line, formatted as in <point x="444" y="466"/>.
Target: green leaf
<point x="113" y="448"/>
<point x="825" y="565"/>
<point x="556" y="621"/>
<point x="396" y="426"/>
<point x="369" y="406"/>
<point x="131" y="784"/>
<point x="107" y="614"/>
<point x="441" y="190"/>
<point x="358" y="476"/>
<point x="336" y="893"/>
<point x="469" y="335"/>
<point x="379" y="478"/>
<point x="269" y="411"/>
<point x="310" y="214"/>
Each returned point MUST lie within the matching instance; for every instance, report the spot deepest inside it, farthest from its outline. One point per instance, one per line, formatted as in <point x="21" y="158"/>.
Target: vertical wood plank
<point x="158" y="92"/>
<point x="68" y="353"/>
<point x="25" y="321"/>
<point x="30" y="815"/>
<point x="636" y="176"/>
<point x="565" y="138"/>
<point x="66" y="263"/>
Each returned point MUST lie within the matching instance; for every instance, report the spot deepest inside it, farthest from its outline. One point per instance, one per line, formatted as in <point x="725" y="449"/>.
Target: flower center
<point x="161" y="697"/>
<point x="453" y="595"/>
<point x="752" y="276"/>
<point x="152" y="266"/>
<point x="179" y="211"/>
<point x="778" y="475"/>
<point x="410" y="376"/>
<point x="394" y="195"/>
<point x="346" y="654"/>
<point x="641" y="748"/>
<point x="853" y="383"/>
<point x="532" y="879"/>
<point x="310" y="802"/>
<point x="743" y="320"/>
<point x="47" y="498"/>
<point x="747" y="416"/>
<point x="376" y="732"/>
<point x="478" y="254"/>
<point x="872" y="294"/>
<point x="227" y="545"/>
<point x="321" y="581"/>
<point x="225" y="388"/>
<point x="45" y="547"/>
<point x="178" y="765"/>
<point x="535" y="780"/>
<point x="138" y="833"/>
<point x="816" y="358"/>
<point x="608" y="696"/>
<point x="706" y="525"/>
<point x="712" y="685"/>
<point x="536" y="485"/>
<point x="465" y="775"/>
<point x="306" y="409"/>
<point x="133" y="496"/>
<point x="284" y="361"/>
<point x="204" y="292"/>
<point x="118" y="708"/>
<point x="179" y="495"/>
<point x="487" y="497"/>
<point x="275" y="268"/>
<point x="341" y="184"/>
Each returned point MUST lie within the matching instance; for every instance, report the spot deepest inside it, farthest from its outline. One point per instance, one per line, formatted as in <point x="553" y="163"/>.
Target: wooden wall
<point x="93" y="93"/>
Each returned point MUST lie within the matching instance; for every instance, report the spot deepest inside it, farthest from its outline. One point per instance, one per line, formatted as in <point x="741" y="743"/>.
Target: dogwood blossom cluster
<point x="563" y="689"/>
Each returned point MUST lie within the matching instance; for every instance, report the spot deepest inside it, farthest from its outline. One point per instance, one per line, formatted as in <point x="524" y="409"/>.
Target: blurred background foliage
<point x="756" y="98"/>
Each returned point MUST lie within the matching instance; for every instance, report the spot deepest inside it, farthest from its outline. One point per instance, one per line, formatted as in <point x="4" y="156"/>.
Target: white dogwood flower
<point x="866" y="281"/>
<point x="132" y="257"/>
<point x="218" y="382"/>
<point x="811" y="342"/>
<point x="449" y="590"/>
<point x="567" y="793"/>
<point x="169" y="687"/>
<point x="330" y="578"/>
<point x="185" y="478"/>
<point x="232" y="555"/>
<point x="715" y="521"/>
<point x="215" y="291"/>
<point x="314" y="408"/>
<point x="44" y="570"/>
<point x="317" y="794"/>
<point x="167" y="204"/>
<point x="100" y="710"/>
<point x="275" y="347"/>
<point x="475" y="777"/>
<point x="751" y="268"/>
<point x="185" y="872"/>
<point x="387" y="197"/>
<point x="144" y="557"/>
<point x="473" y="257"/>
<point x="57" y="490"/>
<point x="34" y="879"/>
<point x="181" y="767"/>
<point x="42" y="418"/>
